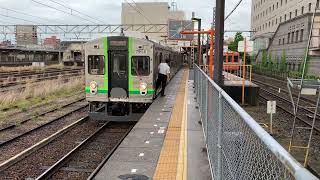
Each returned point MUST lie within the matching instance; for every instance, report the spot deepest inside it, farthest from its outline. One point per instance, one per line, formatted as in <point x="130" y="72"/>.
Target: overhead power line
<point x="237" y="5"/>
<point x="51" y="7"/>
<point x="1" y="21"/>
<point x="18" y="18"/>
<point x="136" y="5"/>
<point x="26" y="14"/>
<point x="74" y="10"/>
<point x="136" y="9"/>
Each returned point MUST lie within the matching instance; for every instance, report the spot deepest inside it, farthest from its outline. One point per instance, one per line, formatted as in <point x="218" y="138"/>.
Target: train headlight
<point x="143" y="89"/>
<point x="93" y="87"/>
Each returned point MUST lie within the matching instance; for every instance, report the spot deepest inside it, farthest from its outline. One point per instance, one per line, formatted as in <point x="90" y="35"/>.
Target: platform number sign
<point x="271" y="109"/>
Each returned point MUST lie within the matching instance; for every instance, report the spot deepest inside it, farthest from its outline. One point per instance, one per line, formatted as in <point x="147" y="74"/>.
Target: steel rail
<point x="307" y="101"/>
<point x="282" y="89"/>
<point x="103" y="162"/>
<point x="55" y="167"/>
<point x="39" y="115"/>
<point x="41" y="126"/>
<point x="286" y="109"/>
<point x="15" y="159"/>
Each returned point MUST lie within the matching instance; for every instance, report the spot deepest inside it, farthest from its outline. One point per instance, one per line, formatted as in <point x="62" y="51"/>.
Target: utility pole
<point x="219" y="31"/>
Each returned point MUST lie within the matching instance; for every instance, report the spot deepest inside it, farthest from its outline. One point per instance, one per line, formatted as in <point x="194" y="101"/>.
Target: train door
<point x="118" y="73"/>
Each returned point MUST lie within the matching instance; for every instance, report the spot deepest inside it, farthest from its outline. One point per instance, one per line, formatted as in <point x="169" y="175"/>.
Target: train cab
<point x="121" y="72"/>
<point x="231" y="61"/>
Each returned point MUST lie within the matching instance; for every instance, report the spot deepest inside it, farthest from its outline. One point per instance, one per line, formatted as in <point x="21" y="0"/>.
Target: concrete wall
<point x="292" y="37"/>
<point x="314" y="66"/>
<point x="266" y="15"/>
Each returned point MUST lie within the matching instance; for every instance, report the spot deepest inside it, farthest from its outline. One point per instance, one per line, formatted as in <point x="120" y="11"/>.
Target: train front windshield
<point x="96" y="65"/>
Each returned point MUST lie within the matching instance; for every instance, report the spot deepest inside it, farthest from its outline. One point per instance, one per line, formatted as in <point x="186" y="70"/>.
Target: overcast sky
<point x="109" y="11"/>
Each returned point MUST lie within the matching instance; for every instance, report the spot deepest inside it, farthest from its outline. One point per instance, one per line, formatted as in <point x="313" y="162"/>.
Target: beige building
<point x="150" y="13"/>
<point x="73" y="52"/>
<point x="266" y="15"/>
<point x="26" y="35"/>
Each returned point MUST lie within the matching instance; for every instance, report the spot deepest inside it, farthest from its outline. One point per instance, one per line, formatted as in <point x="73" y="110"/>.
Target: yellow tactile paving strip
<point x="172" y="161"/>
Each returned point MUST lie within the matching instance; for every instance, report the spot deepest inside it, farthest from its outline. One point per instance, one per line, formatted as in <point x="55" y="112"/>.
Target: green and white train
<point x="121" y="74"/>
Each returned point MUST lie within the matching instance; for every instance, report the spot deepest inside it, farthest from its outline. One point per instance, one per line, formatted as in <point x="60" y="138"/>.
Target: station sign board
<point x="176" y="26"/>
<point x="249" y="47"/>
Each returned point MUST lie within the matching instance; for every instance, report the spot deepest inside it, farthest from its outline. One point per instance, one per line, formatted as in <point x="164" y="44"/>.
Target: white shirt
<point x="164" y="68"/>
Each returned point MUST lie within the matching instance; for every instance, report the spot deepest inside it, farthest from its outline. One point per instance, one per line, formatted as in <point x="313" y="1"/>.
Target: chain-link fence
<point x="238" y="147"/>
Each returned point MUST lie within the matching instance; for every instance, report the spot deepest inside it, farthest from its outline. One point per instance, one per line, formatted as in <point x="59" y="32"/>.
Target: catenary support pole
<point x="219" y="32"/>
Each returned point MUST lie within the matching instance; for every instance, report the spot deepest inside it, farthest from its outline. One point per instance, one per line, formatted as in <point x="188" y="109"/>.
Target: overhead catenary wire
<point x="51" y="7"/>
<point x="26" y="14"/>
<point x="79" y="12"/>
<point x="136" y="9"/>
<point x="5" y="22"/>
<point x="136" y="5"/>
<point x="237" y="5"/>
<point x="4" y="15"/>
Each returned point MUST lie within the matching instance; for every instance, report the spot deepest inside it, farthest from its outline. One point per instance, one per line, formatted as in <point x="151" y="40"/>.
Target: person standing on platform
<point x="163" y="75"/>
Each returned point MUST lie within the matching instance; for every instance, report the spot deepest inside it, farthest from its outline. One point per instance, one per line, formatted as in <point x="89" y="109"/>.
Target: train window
<point x="236" y="58"/>
<point x="224" y="58"/>
<point x="140" y="66"/>
<point x="119" y="63"/>
<point x="96" y="65"/>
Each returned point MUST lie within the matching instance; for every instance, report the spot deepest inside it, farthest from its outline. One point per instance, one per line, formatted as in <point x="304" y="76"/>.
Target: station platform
<point x="233" y="86"/>
<point x="167" y="143"/>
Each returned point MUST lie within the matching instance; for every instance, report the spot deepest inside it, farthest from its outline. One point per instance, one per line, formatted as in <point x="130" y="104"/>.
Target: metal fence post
<point x="198" y="85"/>
<point x="201" y="94"/>
<point x="206" y="109"/>
<point x="195" y="81"/>
<point x="220" y="126"/>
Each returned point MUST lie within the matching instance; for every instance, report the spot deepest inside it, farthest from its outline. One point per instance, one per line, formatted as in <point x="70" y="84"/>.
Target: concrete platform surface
<point x="137" y="156"/>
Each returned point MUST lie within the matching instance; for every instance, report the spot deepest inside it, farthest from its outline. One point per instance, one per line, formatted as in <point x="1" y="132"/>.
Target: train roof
<point x="158" y="45"/>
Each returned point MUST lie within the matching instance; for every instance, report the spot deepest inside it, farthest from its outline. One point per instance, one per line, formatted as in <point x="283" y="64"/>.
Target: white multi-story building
<point x="266" y="15"/>
<point x="282" y="28"/>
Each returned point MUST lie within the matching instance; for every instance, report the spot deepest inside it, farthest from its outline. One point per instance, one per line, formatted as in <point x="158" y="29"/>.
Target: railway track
<point x="277" y="84"/>
<point x="10" y="84"/>
<point x="16" y="74"/>
<point x="76" y="152"/>
<point x="9" y="126"/>
<point x="22" y="137"/>
<point x="268" y="92"/>
<point x="29" y="151"/>
<point x="21" y="87"/>
<point x="101" y="143"/>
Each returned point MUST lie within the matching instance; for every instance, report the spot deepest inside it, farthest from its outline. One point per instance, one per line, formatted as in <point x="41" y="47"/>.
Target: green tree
<point x="283" y="63"/>
<point x="270" y="62"/>
<point x="234" y="45"/>
<point x="264" y="60"/>
<point x="307" y="59"/>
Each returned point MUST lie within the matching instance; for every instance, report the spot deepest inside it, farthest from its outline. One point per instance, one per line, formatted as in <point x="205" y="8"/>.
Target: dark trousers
<point x="162" y="80"/>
